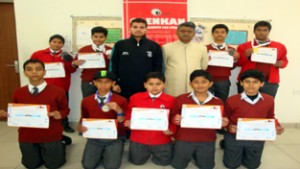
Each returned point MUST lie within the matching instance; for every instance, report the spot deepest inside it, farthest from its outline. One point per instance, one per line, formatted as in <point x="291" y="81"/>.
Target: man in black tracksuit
<point x="133" y="58"/>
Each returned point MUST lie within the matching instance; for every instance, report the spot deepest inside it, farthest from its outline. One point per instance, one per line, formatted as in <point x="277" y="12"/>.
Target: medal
<point x="102" y="105"/>
<point x="231" y="52"/>
<point x="105" y="108"/>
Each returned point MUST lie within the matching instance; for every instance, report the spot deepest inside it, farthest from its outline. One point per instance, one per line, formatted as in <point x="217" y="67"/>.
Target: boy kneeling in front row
<point x="248" y="104"/>
<point x="145" y="143"/>
<point x="104" y="104"/>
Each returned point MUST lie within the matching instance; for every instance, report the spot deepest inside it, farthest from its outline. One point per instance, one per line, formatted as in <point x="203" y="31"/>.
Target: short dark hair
<point x="187" y="24"/>
<point x="263" y="23"/>
<point x="57" y="36"/>
<point x="200" y="73"/>
<point x="99" y="29"/>
<point x="138" y="20"/>
<point x="33" y="61"/>
<point x="253" y="73"/>
<point x="155" y="75"/>
<point x="219" y="26"/>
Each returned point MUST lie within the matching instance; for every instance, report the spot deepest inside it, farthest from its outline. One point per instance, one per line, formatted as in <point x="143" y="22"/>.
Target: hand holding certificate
<point x="55" y="70"/>
<point x="220" y="58"/>
<point x="27" y="115"/>
<point x="92" y="60"/>
<point x="100" y="128"/>
<point x="264" y="55"/>
<point x="197" y="116"/>
<point x="256" y="129"/>
<point x="149" y="119"/>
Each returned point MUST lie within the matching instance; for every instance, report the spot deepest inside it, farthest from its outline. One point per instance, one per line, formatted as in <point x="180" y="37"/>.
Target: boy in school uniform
<point x="99" y="35"/>
<point x="103" y="104"/>
<point x="55" y="54"/>
<point x="42" y="146"/>
<point x="220" y="75"/>
<point x="196" y="143"/>
<point x="262" y="30"/>
<point x="248" y="104"/>
<point x="144" y="143"/>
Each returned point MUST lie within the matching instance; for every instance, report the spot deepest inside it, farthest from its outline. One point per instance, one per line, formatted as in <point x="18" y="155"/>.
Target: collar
<point x="100" y="48"/>
<point x="54" y="52"/>
<point x="155" y="96"/>
<point x="209" y="98"/>
<point x="184" y="44"/>
<point x="223" y="46"/>
<point x="41" y="87"/>
<point x="138" y="43"/>
<point x="248" y="100"/>
<point x="161" y="96"/>
<point x="106" y="96"/>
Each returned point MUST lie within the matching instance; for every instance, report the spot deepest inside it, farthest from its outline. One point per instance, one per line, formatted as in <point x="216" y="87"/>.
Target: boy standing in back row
<point x="54" y="54"/>
<point x="262" y="30"/>
<point x="98" y="36"/>
<point x="220" y="75"/>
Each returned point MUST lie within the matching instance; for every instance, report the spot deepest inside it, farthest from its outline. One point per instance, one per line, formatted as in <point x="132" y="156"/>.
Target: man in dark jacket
<point x="133" y="58"/>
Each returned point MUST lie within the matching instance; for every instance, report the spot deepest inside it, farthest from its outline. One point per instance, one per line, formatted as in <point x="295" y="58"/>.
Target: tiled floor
<point x="284" y="153"/>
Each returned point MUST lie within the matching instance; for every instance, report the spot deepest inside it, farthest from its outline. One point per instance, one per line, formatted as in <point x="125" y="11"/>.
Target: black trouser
<point x="220" y="89"/>
<point x="87" y="89"/>
<point x="109" y="151"/>
<point x="240" y="152"/>
<point x="51" y="154"/>
<point x="65" y="121"/>
<point x="202" y="152"/>
<point x="139" y="153"/>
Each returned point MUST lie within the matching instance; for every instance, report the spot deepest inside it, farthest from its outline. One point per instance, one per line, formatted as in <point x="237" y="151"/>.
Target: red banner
<point x="162" y="16"/>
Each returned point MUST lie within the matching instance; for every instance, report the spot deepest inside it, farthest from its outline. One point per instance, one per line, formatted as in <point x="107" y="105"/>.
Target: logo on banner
<point x="162" y="19"/>
<point x="156" y="12"/>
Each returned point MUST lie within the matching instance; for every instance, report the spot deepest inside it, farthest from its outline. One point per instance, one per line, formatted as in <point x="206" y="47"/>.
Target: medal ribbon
<point x="107" y="100"/>
<point x="260" y="45"/>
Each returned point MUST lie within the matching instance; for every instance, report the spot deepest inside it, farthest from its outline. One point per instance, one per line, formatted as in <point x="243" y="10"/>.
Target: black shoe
<point x="66" y="140"/>
<point x="68" y="129"/>
<point x="222" y="144"/>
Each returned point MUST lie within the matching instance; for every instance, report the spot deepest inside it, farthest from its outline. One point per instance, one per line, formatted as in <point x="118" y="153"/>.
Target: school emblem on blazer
<point x="149" y="54"/>
<point x="125" y="53"/>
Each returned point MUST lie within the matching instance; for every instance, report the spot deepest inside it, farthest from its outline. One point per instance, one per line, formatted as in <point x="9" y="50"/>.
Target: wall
<point x="36" y="23"/>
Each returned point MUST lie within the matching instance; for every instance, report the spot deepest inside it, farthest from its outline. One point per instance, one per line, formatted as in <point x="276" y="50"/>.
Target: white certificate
<point x="256" y="129"/>
<point x="149" y="119"/>
<point x="55" y="70"/>
<point x="92" y="60"/>
<point x="201" y="116"/>
<point x="27" y="115"/>
<point x="264" y="55"/>
<point x="100" y="128"/>
<point x="220" y="58"/>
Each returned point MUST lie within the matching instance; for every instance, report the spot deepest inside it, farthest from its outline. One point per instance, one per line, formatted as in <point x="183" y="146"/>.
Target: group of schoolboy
<point x="210" y="87"/>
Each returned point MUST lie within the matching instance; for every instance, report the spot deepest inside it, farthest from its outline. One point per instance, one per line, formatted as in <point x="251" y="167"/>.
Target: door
<point x="9" y="68"/>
